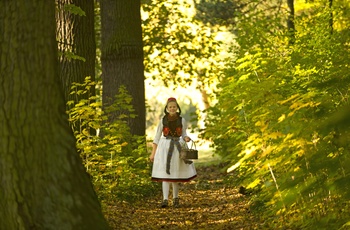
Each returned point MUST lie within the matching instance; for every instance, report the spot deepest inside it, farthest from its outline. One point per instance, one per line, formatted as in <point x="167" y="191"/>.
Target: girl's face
<point x="172" y="107"/>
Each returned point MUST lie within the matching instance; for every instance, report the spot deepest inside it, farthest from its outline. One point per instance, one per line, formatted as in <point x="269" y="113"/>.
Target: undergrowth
<point x="116" y="160"/>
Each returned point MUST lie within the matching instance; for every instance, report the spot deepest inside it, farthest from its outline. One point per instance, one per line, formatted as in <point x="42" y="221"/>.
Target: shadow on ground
<point x="206" y="203"/>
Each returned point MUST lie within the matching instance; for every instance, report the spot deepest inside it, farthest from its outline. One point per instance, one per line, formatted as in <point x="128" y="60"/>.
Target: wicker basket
<point x="189" y="153"/>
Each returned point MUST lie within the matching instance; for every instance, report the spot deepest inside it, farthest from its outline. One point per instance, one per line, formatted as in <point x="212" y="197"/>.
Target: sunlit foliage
<point x="114" y="158"/>
<point x="281" y="116"/>
<point x="179" y="48"/>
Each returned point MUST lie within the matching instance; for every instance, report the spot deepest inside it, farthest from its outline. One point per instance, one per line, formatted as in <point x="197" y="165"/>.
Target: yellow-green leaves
<point x="289" y="109"/>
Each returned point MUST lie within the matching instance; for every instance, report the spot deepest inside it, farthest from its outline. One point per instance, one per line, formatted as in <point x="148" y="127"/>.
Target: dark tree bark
<point x="76" y="36"/>
<point x="331" y="16"/>
<point x="43" y="182"/>
<point x="290" y="22"/>
<point x="122" y="56"/>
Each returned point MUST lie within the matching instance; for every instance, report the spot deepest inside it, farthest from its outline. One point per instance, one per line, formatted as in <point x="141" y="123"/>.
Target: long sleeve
<point x="158" y="134"/>
<point x="184" y="128"/>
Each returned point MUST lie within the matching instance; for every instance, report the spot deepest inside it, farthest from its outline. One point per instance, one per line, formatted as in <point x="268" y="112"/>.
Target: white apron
<point x="179" y="170"/>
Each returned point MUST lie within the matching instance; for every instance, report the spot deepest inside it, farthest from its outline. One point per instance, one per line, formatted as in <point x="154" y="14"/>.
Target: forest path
<point x="205" y="203"/>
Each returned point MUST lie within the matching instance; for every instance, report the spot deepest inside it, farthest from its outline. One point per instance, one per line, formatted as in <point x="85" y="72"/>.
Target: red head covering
<point x="171" y="99"/>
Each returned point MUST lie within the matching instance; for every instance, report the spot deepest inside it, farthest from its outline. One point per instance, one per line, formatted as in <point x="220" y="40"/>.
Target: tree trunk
<point x="43" y="182"/>
<point x="122" y="56"/>
<point x="76" y="36"/>
<point x="290" y="22"/>
<point x="330" y="3"/>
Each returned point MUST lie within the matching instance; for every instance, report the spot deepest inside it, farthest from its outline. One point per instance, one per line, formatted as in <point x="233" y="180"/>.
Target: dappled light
<point x="263" y="88"/>
<point x="206" y="203"/>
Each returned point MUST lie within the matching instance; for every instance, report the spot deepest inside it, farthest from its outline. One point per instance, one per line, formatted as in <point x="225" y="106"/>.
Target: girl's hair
<point x="170" y="100"/>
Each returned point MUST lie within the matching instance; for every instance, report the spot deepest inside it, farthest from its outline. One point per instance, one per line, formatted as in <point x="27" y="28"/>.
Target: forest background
<point x="266" y="83"/>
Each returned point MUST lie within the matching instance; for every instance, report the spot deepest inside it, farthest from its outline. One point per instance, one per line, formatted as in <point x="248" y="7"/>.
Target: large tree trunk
<point x="43" y="182"/>
<point x="76" y="41"/>
<point x="122" y="56"/>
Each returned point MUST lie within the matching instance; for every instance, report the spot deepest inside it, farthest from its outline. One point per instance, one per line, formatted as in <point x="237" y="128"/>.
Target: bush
<point x="116" y="160"/>
<point x="282" y="123"/>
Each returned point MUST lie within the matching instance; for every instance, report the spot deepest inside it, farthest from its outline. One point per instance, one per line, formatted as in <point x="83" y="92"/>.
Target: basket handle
<point x="193" y="144"/>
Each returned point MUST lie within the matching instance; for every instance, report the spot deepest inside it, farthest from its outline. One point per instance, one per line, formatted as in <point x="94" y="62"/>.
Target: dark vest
<point x="172" y="128"/>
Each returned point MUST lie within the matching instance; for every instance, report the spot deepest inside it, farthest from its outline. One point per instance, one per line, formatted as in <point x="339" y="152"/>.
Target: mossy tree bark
<point x="122" y="56"/>
<point x="76" y="41"/>
<point x="43" y="182"/>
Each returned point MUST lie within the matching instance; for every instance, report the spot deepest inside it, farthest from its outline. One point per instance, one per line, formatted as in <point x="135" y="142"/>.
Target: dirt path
<point x="206" y="203"/>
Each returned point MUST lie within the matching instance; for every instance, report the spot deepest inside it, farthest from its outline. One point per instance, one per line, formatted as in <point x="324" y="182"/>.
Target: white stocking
<point x="175" y="189"/>
<point x="166" y="188"/>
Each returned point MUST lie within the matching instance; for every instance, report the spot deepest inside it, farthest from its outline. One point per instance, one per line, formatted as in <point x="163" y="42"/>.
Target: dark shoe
<point x="164" y="204"/>
<point x="176" y="202"/>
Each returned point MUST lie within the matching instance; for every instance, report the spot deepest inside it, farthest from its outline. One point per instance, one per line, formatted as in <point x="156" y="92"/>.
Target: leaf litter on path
<point x="205" y="203"/>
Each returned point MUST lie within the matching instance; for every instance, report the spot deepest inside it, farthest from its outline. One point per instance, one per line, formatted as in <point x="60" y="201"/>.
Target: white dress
<point x="179" y="170"/>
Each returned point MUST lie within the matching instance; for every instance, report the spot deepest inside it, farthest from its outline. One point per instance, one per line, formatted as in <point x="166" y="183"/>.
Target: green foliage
<point x="73" y="9"/>
<point x="281" y="120"/>
<point x="215" y="12"/>
<point x="71" y="56"/>
<point x="179" y="48"/>
<point x="116" y="160"/>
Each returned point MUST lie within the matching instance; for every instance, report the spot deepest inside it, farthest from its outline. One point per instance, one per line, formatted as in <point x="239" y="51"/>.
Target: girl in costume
<point x="168" y="168"/>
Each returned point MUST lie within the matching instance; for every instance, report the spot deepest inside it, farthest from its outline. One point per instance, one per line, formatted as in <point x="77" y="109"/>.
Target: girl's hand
<point x="187" y="139"/>
<point x="151" y="157"/>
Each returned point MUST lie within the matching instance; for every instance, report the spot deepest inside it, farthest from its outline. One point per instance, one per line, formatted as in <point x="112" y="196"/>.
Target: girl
<point x="168" y="168"/>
